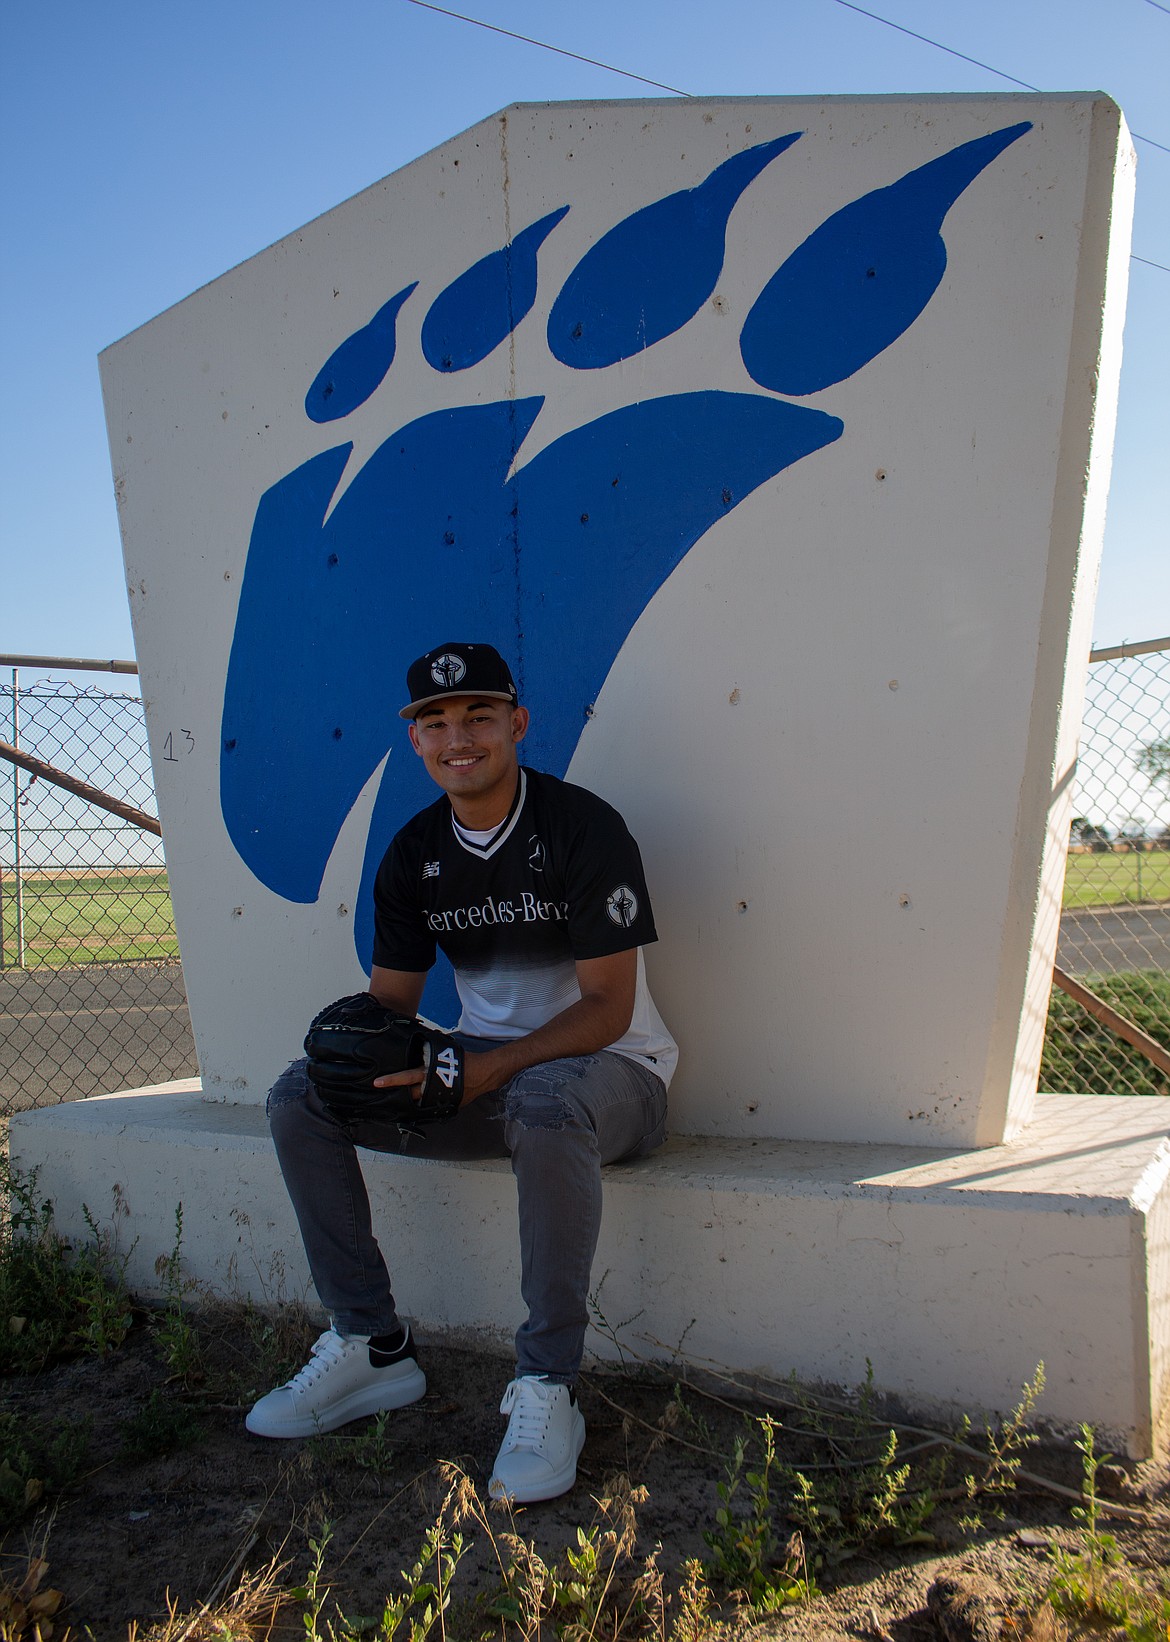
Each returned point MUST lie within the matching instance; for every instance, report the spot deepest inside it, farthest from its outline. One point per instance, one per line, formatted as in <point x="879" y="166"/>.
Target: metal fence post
<point x="16" y="841"/>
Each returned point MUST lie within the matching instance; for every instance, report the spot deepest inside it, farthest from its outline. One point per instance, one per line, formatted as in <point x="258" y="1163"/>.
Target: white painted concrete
<point x="855" y="699"/>
<point x="953" y="1272"/>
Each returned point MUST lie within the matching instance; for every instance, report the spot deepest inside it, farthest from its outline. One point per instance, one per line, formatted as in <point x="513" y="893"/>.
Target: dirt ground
<point x="174" y="1500"/>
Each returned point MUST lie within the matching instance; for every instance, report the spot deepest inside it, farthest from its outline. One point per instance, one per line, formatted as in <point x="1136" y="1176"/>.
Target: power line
<point x="962" y="55"/>
<point x="950" y="51"/>
<point x="1133" y="257"/>
<point x="560" y="51"/>
<point x="1158" y="6"/>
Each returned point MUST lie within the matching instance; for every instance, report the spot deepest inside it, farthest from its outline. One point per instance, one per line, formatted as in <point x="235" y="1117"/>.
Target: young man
<point x="534" y="890"/>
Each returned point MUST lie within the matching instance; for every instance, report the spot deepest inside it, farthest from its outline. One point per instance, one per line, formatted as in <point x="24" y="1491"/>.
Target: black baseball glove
<point x="357" y="1039"/>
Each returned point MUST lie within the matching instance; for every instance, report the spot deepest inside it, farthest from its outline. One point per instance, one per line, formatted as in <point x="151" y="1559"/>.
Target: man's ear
<point x="413" y="731"/>
<point x="519" y="723"/>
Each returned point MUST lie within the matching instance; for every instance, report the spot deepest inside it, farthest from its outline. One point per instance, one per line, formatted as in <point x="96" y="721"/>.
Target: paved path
<point x="1109" y="939"/>
<point x="65" y="1033"/>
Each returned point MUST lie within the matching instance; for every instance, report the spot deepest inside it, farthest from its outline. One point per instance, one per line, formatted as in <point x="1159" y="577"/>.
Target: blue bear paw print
<point x="441" y="534"/>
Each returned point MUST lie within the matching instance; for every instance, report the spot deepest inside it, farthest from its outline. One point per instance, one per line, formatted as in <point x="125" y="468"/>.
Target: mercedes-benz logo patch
<point x="622" y="905"/>
<point x="536" y="854"/>
<point x="447" y="669"/>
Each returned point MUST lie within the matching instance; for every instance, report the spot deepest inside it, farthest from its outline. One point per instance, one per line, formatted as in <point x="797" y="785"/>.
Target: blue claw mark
<point x="352" y="372"/>
<point x="863" y="277"/>
<point x="652" y="272"/>
<point x="480" y="308"/>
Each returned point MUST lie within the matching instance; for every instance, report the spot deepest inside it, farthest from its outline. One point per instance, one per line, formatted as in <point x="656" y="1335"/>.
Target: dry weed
<point x="246" y="1614"/>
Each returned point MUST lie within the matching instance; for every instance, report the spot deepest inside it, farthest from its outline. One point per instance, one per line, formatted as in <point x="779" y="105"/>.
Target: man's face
<point x="468" y="745"/>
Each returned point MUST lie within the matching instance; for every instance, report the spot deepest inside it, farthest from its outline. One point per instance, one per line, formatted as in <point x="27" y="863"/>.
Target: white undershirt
<point x="469" y="835"/>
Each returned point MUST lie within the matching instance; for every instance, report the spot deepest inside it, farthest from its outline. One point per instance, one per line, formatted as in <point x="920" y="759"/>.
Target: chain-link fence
<point x="1115" y="927"/>
<point x="91" y="990"/>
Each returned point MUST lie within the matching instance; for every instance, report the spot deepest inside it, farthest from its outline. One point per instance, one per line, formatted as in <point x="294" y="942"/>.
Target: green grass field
<point x="1109" y="880"/>
<point x="96" y="917"/>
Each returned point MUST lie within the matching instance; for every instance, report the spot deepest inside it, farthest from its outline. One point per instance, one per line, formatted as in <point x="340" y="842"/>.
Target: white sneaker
<point x="342" y="1380"/>
<point x="546" y="1432"/>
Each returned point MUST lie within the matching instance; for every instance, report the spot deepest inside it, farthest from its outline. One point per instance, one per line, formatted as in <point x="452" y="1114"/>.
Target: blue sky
<point x="148" y="148"/>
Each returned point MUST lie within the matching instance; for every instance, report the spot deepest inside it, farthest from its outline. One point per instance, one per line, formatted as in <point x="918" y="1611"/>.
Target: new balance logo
<point x="447" y="1067"/>
<point x="430" y="869"/>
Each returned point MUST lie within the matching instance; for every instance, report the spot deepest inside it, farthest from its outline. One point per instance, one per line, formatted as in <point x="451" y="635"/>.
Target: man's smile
<point x="468" y="744"/>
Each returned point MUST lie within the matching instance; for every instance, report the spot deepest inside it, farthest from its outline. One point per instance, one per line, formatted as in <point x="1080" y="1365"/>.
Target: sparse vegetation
<point x="160" y="1426"/>
<point x="55" y="1299"/>
<point x="368" y="1446"/>
<point x="1081" y="1054"/>
<point x="177" y="1337"/>
<point x="597" y="1588"/>
<point x="1095" y="1581"/>
<point x="746" y="1558"/>
<point x="37" y="1460"/>
<point x="1004" y="1446"/>
<point x="246" y="1613"/>
<point x="863" y="1491"/>
<point x="361" y="1534"/>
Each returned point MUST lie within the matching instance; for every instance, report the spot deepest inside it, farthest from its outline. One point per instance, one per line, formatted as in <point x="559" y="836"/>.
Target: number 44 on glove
<point x="357" y="1039"/>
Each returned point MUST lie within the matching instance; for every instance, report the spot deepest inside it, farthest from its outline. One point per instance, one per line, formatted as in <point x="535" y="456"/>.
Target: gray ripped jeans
<point x="558" y="1122"/>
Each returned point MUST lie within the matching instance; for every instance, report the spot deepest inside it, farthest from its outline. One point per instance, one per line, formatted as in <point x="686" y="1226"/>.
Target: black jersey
<point x="560" y="879"/>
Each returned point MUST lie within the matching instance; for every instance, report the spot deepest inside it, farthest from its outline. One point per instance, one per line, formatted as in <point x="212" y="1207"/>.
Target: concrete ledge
<point x="954" y="1273"/>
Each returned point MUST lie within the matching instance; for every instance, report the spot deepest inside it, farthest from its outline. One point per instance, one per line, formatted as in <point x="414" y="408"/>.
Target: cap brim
<point x="415" y="707"/>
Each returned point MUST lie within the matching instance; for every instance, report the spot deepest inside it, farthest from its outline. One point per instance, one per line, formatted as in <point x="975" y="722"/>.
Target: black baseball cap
<point x="457" y="670"/>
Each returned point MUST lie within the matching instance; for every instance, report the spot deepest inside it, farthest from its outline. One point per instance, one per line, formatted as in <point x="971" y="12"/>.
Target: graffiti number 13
<point x="185" y="746"/>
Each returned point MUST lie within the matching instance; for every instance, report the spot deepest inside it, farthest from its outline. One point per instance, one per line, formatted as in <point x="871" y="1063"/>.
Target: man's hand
<point x="479" y="1078"/>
